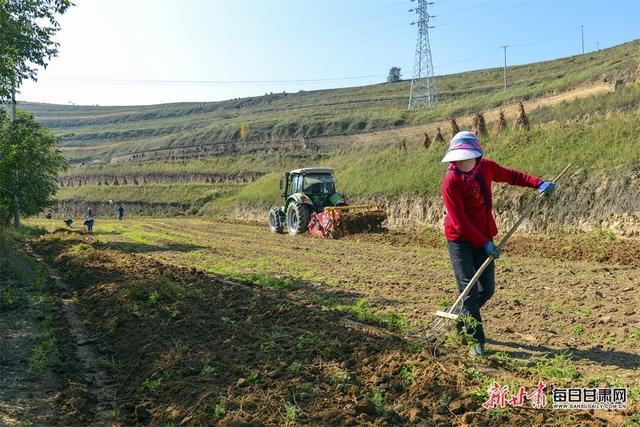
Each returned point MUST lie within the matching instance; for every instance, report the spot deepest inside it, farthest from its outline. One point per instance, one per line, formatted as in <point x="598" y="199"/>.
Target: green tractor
<point x="312" y="203"/>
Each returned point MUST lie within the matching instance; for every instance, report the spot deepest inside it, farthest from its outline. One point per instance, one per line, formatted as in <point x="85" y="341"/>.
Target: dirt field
<point x="196" y="322"/>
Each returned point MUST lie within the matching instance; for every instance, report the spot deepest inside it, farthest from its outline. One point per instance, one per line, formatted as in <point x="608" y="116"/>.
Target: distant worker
<point x="89" y="213"/>
<point x="68" y="221"/>
<point x="120" y="212"/>
<point x="89" y="224"/>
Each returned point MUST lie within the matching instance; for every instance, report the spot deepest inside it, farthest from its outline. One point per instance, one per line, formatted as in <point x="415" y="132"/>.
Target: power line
<point x="565" y="34"/>
<point x="143" y="82"/>
<point x="485" y="13"/>
<point x="466" y="59"/>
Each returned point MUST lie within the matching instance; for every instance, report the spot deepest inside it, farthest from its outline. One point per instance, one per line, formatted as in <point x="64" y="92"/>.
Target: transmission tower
<point x="423" y="87"/>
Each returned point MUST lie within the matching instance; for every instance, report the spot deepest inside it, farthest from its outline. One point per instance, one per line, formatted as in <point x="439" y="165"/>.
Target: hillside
<point x="102" y="133"/>
<point x="224" y="158"/>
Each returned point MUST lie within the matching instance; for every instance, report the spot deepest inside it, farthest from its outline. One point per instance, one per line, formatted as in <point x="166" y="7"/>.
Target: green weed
<point x="560" y="308"/>
<point x="445" y="302"/>
<point x="607" y="381"/>
<point x="558" y="367"/>
<point x="482" y="391"/>
<point x="114" y="414"/>
<point x="445" y="399"/>
<point x="577" y="330"/>
<point x="632" y="421"/>
<point x="601" y="255"/>
<point x="585" y="311"/>
<point x="43" y="353"/>
<point x="153" y="298"/>
<point x="377" y="399"/>
<point x="363" y="313"/>
<point x="220" y="408"/>
<point x="408" y="373"/>
<point x="294" y="368"/>
<point x="253" y="377"/>
<point x="208" y="370"/>
<point x="499" y="414"/>
<point x="7" y="298"/>
<point x="601" y="235"/>
<point x="291" y="412"/>
<point x="317" y="342"/>
<point x="150" y="385"/>
<point x="104" y="362"/>
<point x="272" y="282"/>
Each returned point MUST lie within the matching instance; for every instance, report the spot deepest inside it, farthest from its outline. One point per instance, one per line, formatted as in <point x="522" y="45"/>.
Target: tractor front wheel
<point x="298" y="217"/>
<point x="276" y="220"/>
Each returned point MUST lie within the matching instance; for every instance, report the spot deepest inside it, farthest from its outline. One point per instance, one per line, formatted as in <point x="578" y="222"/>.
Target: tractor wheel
<point x="298" y="217"/>
<point x="276" y="220"/>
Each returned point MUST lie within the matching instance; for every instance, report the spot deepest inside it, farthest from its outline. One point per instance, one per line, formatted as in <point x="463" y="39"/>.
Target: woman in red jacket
<point x="469" y="225"/>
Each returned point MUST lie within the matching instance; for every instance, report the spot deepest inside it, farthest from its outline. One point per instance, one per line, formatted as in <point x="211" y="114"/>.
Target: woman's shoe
<point x="477" y="350"/>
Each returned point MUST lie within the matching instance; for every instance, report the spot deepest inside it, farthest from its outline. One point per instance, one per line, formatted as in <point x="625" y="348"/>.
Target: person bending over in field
<point x="89" y="224"/>
<point x="469" y="226"/>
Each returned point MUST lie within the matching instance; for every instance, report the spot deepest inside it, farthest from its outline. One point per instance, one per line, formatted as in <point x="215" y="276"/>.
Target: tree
<point x="27" y="28"/>
<point x="29" y="164"/>
<point x="394" y="75"/>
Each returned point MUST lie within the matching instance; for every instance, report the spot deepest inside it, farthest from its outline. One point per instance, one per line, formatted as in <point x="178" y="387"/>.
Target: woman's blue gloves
<point x="546" y="188"/>
<point x="492" y="249"/>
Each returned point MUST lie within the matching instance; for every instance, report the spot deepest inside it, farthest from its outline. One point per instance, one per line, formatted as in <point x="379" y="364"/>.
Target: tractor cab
<point x="314" y="185"/>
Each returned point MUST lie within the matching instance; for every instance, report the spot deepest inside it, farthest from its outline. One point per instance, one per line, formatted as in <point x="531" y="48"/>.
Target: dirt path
<point x="49" y="373"/>
<point x="26" y="397"/>
<point x="98" y="388"/>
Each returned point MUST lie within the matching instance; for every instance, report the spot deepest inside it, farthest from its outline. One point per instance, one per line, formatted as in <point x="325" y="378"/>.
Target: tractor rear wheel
<point x="298" y="217"/>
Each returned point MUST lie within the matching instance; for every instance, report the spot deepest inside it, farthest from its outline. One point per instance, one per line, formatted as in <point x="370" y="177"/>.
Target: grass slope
<point x="104" y="132"/>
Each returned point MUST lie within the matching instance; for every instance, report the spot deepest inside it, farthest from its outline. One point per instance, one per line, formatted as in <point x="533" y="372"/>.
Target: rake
<point x="443" y="319"/>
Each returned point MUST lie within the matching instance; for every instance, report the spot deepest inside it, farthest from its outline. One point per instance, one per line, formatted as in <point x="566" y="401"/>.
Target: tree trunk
<point x="16" y="211"/>
<point x="13" y="105"/>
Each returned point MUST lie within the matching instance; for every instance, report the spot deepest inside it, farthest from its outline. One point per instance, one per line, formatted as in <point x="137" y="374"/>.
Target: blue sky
<point x="125" y="52"/>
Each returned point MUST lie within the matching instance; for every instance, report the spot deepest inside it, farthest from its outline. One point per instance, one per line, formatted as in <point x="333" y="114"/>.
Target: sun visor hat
<point x="463" y="146"/>
<point x="461" y="154"/>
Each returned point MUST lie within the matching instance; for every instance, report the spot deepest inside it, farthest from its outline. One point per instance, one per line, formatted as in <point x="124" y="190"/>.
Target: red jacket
<point x="469" y="210"/>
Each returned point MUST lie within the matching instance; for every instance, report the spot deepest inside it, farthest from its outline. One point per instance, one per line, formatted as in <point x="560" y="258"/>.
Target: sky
<point x="133" y="52"/>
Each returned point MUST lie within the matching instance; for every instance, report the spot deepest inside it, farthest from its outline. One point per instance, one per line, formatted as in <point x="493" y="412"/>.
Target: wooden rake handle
<point x="490" y="258"/>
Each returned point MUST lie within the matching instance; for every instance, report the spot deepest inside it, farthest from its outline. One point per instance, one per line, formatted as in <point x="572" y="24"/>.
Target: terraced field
<point x="205" y="321"/>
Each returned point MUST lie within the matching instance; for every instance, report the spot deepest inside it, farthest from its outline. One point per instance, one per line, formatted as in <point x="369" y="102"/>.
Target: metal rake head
<point x="443" y="321"/>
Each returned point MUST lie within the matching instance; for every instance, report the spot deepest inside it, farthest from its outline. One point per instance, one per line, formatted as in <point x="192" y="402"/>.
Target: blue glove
<point x="546" y="188"/>
<point x="492" y="249"/>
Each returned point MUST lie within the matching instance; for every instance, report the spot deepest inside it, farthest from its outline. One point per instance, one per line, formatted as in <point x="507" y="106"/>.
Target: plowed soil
<point x="199" y="323"/>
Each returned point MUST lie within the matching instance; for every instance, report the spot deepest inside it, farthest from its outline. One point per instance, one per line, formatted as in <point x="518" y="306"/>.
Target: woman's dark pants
<point x="466" y="260"/>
